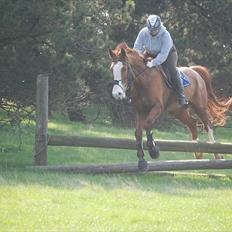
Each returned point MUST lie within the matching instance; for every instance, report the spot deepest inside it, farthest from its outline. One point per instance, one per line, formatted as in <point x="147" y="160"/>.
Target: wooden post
<point x="41" y="136"/>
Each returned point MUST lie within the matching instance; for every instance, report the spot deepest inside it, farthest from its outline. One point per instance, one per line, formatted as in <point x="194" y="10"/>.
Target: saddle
<point x="185" y="81"/>
<point x="182" y="76"/>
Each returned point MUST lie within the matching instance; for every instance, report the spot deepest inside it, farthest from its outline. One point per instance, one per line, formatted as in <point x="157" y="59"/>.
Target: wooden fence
<point x="42" y="140"/>
<point x="164" y="145"/>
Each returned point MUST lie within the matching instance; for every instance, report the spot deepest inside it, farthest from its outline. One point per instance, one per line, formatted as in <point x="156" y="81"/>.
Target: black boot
<point x="178" y="86"/>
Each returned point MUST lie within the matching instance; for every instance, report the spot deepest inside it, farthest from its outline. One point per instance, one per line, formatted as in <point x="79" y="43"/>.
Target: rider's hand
<point x="150" y="64"/>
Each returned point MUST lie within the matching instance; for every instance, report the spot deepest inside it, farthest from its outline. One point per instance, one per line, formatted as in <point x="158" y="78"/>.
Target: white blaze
<point x="117" y="70"/>
<point x="118" y="91"/>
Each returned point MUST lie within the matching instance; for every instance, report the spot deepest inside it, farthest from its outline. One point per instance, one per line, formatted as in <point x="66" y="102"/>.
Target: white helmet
<point x="153" y="24"/>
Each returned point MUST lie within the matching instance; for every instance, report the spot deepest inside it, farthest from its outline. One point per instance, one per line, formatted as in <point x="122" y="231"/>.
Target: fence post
<point x="41" y="135"/>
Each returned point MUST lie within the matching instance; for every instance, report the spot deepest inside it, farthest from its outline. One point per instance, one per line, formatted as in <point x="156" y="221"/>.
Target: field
<point x="45" y="201"/>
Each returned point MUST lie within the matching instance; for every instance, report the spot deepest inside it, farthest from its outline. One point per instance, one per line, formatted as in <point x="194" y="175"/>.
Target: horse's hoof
<point x="154" y="152"/>
<point x="142" y="165"/>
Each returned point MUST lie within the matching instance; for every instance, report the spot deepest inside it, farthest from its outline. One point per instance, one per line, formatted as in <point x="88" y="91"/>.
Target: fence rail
<point x="165" y="145"/>
<point x="169" y="165"/>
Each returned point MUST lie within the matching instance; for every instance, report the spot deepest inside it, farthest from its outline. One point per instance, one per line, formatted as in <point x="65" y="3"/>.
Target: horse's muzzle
<point x="118" y="93"/>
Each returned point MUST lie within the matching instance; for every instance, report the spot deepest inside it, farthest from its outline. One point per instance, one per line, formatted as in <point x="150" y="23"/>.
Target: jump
<point x="150" y="96"/>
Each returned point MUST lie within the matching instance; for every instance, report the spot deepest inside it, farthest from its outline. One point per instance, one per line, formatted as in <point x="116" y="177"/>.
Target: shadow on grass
<point x="180" y="185"/>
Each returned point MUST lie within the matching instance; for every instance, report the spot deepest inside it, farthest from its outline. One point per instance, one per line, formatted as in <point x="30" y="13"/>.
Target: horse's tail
<point x="217" y="107"/>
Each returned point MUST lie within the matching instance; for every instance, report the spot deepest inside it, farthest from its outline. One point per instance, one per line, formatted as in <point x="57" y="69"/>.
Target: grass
<point x="44" y="201"/>
<point x="120" y="209"/>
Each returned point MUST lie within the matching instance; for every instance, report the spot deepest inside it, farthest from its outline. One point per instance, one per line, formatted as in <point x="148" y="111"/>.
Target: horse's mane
<point x="131" y="53"/>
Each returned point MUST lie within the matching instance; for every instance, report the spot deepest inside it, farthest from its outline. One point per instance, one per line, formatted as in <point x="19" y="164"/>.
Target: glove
<point x="149" y="64"/>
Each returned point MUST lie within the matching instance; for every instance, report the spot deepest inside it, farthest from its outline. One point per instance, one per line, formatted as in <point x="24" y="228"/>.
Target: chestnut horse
<point x="151" y="96"/>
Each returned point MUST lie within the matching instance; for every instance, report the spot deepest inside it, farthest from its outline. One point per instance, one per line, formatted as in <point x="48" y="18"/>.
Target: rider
<point x="154" y="39"/>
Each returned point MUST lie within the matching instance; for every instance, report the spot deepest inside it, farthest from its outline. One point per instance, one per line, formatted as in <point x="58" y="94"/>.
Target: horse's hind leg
<point x="184" y="116"/>
<point x="211" y="139"/>
<point x="204" y="116"/>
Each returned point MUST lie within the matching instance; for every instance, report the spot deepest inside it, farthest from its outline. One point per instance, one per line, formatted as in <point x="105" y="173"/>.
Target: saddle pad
<point x="184" y="78"/>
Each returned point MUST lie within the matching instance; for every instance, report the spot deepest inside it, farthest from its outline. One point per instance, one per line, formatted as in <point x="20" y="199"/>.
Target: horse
<point x="151" y="96"/>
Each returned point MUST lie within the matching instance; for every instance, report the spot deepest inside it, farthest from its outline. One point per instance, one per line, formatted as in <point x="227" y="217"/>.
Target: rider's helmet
<point x="153" y="24"/>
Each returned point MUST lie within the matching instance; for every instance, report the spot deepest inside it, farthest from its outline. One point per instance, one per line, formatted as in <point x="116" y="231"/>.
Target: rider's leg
<point x="170" y="67"/>
<point x="179" y="88"/>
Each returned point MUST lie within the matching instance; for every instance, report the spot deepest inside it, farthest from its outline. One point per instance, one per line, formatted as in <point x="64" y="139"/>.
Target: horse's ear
<point x="112" y="54"/>
<point x="123" y="53"/>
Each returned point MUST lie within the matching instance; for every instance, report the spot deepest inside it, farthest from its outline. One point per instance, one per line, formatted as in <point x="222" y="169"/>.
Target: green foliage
<point x="69" y="41"/>
<point x="202" y="30"/>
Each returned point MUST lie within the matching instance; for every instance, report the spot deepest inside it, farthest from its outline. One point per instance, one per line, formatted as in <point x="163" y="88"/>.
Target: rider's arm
<point x="138" y="45"/>
<point x="167" y="44"/>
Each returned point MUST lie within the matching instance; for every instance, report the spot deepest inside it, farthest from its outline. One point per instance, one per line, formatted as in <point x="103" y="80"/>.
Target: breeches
<point x="169" y="66"/>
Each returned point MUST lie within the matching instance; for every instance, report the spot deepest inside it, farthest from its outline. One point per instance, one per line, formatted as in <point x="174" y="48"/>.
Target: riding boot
<point x="178" y="85"/>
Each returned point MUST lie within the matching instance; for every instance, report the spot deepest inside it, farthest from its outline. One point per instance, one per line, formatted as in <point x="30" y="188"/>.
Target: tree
<point x="69" y="40"/>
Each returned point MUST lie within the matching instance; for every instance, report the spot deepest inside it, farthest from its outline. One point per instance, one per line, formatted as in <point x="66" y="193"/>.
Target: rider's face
<point x="154" y="32"/>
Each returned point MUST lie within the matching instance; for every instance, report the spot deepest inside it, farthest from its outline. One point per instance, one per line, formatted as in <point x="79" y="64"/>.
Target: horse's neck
<point x="139" y="71"/>
<point x="149" y="81"/>
<point x="137" y="66"/>
<point x="142" y="72"/>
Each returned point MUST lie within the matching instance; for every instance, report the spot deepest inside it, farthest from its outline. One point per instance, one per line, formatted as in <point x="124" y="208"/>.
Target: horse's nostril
<point x="119" y="93"/>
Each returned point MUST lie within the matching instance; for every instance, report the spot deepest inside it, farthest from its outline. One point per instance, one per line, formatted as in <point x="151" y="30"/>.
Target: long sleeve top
<point x="159" y="45"/>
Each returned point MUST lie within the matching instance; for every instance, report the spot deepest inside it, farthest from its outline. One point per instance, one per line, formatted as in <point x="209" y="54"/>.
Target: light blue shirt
<point x="159" y="45"/>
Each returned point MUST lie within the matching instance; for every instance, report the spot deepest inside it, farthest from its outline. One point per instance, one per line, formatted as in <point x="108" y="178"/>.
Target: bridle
<point x="131" y="76"/>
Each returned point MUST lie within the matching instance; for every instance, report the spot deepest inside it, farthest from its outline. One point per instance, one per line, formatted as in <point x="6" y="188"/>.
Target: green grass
<point x="44" y="201"/>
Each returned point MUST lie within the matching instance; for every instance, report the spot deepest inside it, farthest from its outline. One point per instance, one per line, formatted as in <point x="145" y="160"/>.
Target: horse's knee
<point x="147" y="124"/>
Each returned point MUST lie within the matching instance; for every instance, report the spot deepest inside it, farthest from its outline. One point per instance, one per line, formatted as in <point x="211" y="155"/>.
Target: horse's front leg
<point x="142" y="163"/>
<point x="153" y="148"/>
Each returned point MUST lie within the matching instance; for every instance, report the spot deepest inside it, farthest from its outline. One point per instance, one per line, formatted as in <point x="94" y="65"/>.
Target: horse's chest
<point x="142" y="105"/>
<point x="141" y="100"/>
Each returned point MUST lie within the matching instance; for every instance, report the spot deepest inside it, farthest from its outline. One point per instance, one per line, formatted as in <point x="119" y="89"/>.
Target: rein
<point x="131" y="70"/>
<point x="131" y="76"/>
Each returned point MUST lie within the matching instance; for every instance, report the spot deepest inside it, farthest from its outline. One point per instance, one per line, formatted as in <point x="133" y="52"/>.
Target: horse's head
<point x="120" y="70"/>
